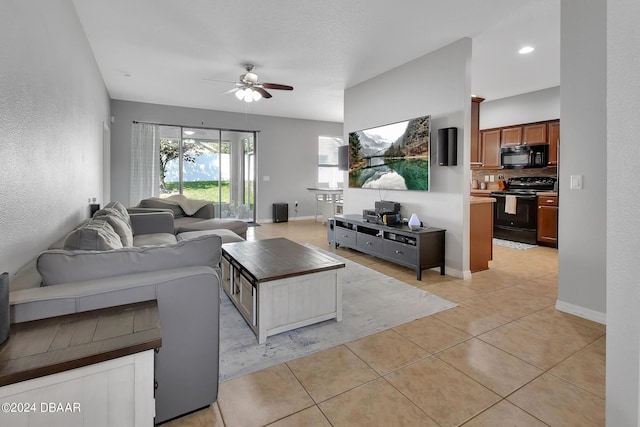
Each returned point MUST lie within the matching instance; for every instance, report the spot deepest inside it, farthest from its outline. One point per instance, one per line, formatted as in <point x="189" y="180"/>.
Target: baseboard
<point x="454" y="272"/>
<point x="297" y="218"/>
<point x="585" y="313"/>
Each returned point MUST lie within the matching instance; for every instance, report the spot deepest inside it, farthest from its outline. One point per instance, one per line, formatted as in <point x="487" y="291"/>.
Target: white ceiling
<point x="167" y="51"/>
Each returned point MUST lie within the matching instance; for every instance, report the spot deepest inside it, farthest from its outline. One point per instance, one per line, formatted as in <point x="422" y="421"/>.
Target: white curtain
<point x="145" y="162"/>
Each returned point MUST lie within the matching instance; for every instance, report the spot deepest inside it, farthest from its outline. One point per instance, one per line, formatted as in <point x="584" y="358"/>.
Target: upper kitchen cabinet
<point x="524" y="135"/>
<point x="511" y="136"/>
<point x="534" y="134"/>
<point x="490" y="148"/>
<point x="554" y="141"/>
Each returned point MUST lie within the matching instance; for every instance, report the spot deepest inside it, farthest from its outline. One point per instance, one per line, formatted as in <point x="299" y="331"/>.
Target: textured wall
<point x="53" y="107"/>
<point x="530" y="107"/>
<point x="623" y="220"/>
<point x="582" y="254"/>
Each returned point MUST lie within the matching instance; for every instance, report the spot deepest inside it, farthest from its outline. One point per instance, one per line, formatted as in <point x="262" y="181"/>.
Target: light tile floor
<point x="503" y="357"/>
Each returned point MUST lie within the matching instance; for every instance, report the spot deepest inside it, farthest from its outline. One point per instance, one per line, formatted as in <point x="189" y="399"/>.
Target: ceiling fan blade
<point x="219" y="81"/>
<point x="276" y="86"/>
<point x="235" y="89"/>
<point x="262" y="92"/>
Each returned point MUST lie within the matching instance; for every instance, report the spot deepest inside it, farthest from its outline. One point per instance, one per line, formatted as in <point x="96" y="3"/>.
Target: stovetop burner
<point x="529" y="185"/>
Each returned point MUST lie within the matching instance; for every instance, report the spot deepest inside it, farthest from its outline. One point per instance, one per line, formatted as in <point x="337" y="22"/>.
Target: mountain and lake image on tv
<point x="391" y="157"/>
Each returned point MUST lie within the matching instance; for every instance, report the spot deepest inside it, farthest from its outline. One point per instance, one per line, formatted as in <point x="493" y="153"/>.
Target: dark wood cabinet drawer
<point x="547" y="201"/>
<point x="368" y="243"/>
<point x="400" y="252"/>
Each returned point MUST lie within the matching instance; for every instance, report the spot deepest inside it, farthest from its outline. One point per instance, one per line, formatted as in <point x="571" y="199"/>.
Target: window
<point x="328" y="172"/>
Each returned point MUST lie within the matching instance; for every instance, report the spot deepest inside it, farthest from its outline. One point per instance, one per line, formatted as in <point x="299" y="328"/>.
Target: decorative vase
<point x="414" y="222"/>
<point x="4" y="307"/>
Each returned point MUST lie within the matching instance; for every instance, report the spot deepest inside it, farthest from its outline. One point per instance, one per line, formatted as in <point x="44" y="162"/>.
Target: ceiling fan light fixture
<point x="248" y="95"/>
<point x="240" y="94"/>
<point x="526" y="49"/>
<point x="256" y="95"/>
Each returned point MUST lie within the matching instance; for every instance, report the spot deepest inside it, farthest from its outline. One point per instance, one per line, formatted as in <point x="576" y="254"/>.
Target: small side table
<point x="82" y="369"/>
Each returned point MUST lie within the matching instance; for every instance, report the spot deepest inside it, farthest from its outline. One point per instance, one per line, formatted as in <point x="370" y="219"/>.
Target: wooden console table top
<point x="279" y="258"/>
<point x="48" y="346"/>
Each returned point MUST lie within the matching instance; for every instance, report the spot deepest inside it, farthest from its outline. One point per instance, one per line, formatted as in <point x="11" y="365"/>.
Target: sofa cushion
<point x="61" y="266"/>
<point x="119" y="225"/>
<point x="154" y="239"/>
<point x="237" y="226"/>
<point x="95" y="235"/>
<point x="228" y="236"/>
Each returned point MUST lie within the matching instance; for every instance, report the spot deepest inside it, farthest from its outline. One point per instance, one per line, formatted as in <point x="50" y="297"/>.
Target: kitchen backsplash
<point x="509" y="173"/>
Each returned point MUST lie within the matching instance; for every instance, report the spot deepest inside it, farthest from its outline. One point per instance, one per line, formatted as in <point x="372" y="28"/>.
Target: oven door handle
<point x="518" y="196"/>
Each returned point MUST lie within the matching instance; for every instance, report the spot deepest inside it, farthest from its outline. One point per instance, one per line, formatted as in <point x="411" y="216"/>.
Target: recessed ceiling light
<point x="525" y="50"/>
<point x="189" y="132"/>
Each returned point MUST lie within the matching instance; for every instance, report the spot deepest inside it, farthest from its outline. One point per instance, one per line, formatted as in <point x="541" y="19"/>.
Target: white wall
<point x="53" y="106"/>
<point x="530" y="107"/>
<point x="437" y="84"/>
<point x="582" y="254"/>
<point x="287" y="150"/>
<point x="622" y="219"/>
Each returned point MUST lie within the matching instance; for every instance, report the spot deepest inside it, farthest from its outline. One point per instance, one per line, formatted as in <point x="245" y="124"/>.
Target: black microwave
<point x="524" y="156"/>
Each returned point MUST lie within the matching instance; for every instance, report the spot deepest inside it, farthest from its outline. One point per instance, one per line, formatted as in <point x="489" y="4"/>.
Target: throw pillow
<point x="118" y="207"/>
<point x="96" y="235"/>
<point x="121" y="210"/>
<point x="118" y="224"/>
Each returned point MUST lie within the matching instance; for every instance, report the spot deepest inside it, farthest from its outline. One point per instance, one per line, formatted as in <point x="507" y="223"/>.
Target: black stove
<point x="528" y="185"/>
<point x="516" y="208"/>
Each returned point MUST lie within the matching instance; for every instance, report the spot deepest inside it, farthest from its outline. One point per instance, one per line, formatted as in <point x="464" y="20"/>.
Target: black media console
<point x="417" y="249"/>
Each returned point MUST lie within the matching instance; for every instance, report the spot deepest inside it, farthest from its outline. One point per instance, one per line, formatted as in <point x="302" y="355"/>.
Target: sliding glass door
<point x="210" y="164"/>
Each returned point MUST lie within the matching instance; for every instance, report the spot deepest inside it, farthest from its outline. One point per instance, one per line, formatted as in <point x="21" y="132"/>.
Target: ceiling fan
<point x="250" y="89"/>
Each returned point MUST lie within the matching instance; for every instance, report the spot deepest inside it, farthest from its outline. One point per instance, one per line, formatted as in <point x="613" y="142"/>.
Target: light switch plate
<point x="575" y="182"/>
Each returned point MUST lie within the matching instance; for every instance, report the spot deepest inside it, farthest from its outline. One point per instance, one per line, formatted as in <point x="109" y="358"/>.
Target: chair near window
<point x="328" y="201"/>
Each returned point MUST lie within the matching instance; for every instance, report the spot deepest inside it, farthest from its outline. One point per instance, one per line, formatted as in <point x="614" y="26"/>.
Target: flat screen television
<point x="391" y="157"/>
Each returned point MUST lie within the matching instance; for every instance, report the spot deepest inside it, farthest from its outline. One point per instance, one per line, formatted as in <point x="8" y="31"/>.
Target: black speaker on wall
<point x="448" y="146"/>
<point x="343" y="158"/>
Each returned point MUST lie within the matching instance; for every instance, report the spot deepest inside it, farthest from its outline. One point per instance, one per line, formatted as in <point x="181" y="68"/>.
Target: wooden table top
<point x="279" y="258"/>
<point x="56" y="344"/>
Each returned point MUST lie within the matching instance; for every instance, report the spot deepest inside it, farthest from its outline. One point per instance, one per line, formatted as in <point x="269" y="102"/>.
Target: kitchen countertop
<point x="548" y="194"/>
<point x="473" y="200"/>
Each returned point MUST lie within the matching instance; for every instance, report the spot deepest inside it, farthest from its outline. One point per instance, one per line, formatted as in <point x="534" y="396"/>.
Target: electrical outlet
<point x="492" y="178"/>
<point x="486" y="178"/>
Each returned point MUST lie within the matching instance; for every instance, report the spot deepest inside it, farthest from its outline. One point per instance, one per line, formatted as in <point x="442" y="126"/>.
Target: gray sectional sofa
<point x="118" y="258"/>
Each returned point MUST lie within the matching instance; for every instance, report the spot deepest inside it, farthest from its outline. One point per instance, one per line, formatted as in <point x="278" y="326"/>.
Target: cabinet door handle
<point x="549" y="201"/>
<point x="368" y="243"/>
<point x="399" y="252"/>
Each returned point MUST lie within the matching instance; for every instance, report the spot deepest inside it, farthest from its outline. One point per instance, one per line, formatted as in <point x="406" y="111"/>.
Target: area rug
<point x="371" y="302"/>
<point x="514" y="245"/>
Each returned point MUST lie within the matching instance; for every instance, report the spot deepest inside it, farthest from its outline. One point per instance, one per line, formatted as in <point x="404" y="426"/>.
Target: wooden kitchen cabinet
<point x="548" y="220"/>
<point x="511" y="136"/>
<point x="490" y="148"/>
<point x="534" y="134"/>
<point x="481" y="233"/>
<point x="476" y="151"/>
<point x="554" y="142"/>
